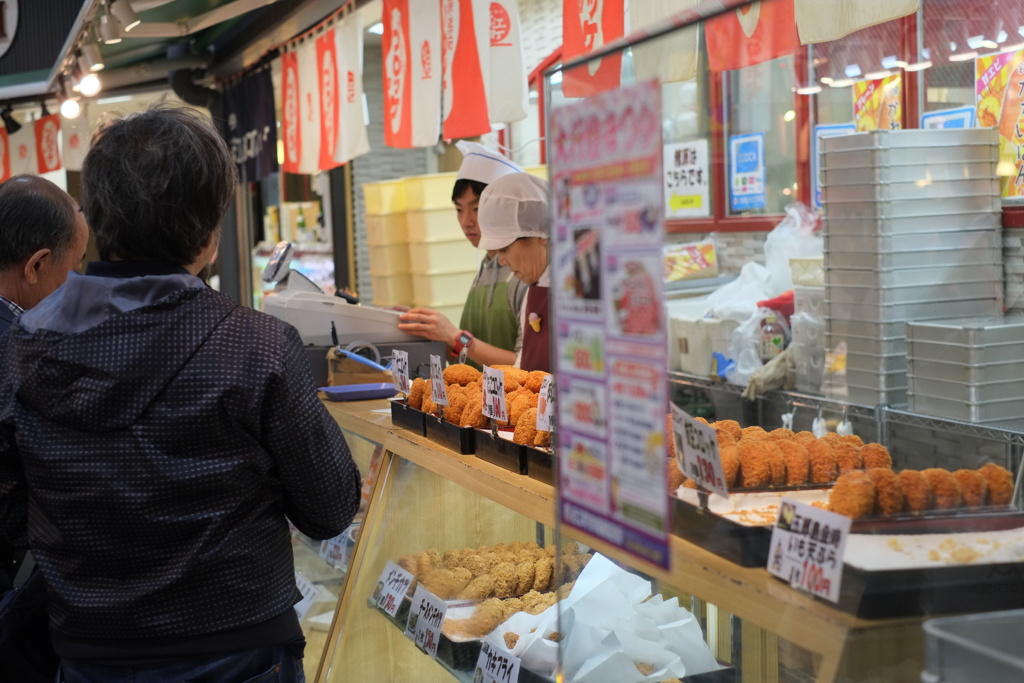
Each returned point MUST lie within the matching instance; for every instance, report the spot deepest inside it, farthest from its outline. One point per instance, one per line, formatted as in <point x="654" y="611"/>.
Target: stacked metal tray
<point x="912" y="232"/>
<point x="969" y="369"/>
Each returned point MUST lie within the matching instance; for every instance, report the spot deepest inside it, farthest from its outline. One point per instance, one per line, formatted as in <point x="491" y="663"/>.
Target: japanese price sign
<point x="698" y="452"/>
<point x="687" y="168"/>
<point x="391" y="589"/>
<point x="546" y="403"/>
<point x="400" y="371"/>
<point x="807" y="548"/>
<point x="494" y="394"/>
<point x="309" y="595"/>
<point x="425" y="619"/>
<point x="437" y="393"/>
<point x="495" y="665"/>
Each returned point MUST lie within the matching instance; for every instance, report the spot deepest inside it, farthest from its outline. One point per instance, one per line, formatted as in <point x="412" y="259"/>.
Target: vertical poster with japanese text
<point x="687" y="179"/>
<point x="747" y="172"/>
<point x="999" y="83"/>
<point x="878" y="104"/>
<point x="610" y="344"/>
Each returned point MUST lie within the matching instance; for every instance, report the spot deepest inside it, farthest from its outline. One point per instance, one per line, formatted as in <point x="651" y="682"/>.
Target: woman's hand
<point x="428" y="323"/>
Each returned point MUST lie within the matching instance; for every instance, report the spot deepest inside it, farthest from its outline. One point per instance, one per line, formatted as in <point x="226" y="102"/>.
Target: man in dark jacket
<point x="155" y="437"/>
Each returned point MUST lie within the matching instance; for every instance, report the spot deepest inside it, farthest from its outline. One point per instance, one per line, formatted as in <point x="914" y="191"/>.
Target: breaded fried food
<point x="780" y="434"/>
<point x="832" y="438"/>
<point x="543" y="568"/>
<point x="506" y="579"/>
<point x="487" y="616"/>
<point x="526" y="428"/>
<point x="944" y="487"/>
<point x="725" y="438"/>
<point x="461" y="374"/>
<point x="535" y="602"/>
<point x="479" y="588"/>
<point x="428" y="405"/>
<point x="518" y="374"/>
<point x="453" y="557"/>
<point x="853" y="495"/>
<point x="512" y="606"/>
<point x="535" y="380"/>
<point x="731" y="426"/>
<point x="754" y="433"/>
<point x="670" y="441"/>
<point x="473" y="414"/>
<point x="525" y="575"/>
<point x="852" y="439"/>
<point x="848" y="457"/>
<point x="755" y="469"/>
<point x="542" y="439"/>
<point x="675" y="475"/>
<point x="972" y="487"/>
<point x="416" y="393"/>
<point x="520" y="405"/>
<point x="456" y="404"/>
<point x="804" y="437"/>
<point x="888" y="491"/>
<point x="730" y="457"/>
<point x="822" y="458"/>
<point x="798" y="466"/>
<point x="917" y="492"/>
<point x="511" y="638"/>
<point x="446" y="584"/>
<point x="690" y="484"/>
<point x="1000" y="484"/>
<point x="776" y="462"/>
<point x="875" y="455"/>
<point x="408" y="563"/>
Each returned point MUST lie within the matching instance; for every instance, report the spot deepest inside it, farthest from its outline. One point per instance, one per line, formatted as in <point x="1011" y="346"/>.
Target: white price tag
<point x="697" y="452"/>
<point x="807" y="548"/>
<point x="425" y="618"/>
<point x="546" y="404"/>
<point x="495" y="665"/>
<point x="437" y="393"/>
<point x="494" y="394"/>
<point x="391" y="589"/>
<point x="400" y="371"/>
<point x="309" y="595"/>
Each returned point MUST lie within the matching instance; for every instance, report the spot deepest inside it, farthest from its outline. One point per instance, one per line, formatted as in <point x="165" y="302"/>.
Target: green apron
<point x="494" y="323"/>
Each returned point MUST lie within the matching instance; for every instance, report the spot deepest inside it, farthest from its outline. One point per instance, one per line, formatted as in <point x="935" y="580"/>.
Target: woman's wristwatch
<point x="462" y="342"/>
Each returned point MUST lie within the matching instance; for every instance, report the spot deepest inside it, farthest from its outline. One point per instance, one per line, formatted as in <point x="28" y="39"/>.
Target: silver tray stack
<point x="912" y="232"/>
<point x="967" y="369"/>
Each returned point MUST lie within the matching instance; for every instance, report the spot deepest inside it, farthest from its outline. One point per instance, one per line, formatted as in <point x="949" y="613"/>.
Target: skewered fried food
<point x="853" y="495"/>
<point x="917" y="492"/>
<point x="1000" y="483"/>
<point x="888" y="491"/>
<point x="972" y="487"/>
<point x="461" y="374"/>
<point x="755" y="470"/>
<point x="526" y="429"/>
<point x="875" y="455"/>
<point x="416" y="393"/>
<point x="848" y="457"/>
<point x="798" y="465"/>
<point x="822" y="459"/>
<point x="944" y="487"/>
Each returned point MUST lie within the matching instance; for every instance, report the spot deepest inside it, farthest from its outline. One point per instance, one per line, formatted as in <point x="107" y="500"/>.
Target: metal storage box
<point x="883" y="156"/>
<point x="913" y="277"/>
<point x="910" y="191"/>
<point x="913" y="224"/>
<point x="838" y="328"/>
<point x="906" y="174"/>
<point x="981" y="354"/>
<point x="968" y="239"/>
<point x="869" y="346"/>
<point x="926" y="310"/>
<point x="888" y="295"/>
<point x="969" y="331"/>
<point x="985" y="411"/>
<point x="912" y="139"/>
<point x="968" y="393"/>
<point x="879" y="381"/>
<point x="974" y="647"/>
<point x="968" y="374"/>
<point x="869" y="256"/>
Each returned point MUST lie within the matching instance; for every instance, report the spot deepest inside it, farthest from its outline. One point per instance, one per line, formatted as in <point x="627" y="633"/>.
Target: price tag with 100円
<point x="807" y="548"/>
<point x="425" y="618"/>
<point x="391" y="589"/>
<point x="697" y="452"/>
<point x="400" y="371"/>
<point x="494" y="394"/>
<point x="495" y="665"/>
<point x="437" y="393"/>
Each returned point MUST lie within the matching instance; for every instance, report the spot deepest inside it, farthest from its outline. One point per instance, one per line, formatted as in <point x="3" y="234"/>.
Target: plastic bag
<point x="738" y="300"/>
<point x="797" y="236"/>
<point x="743" y="347"/>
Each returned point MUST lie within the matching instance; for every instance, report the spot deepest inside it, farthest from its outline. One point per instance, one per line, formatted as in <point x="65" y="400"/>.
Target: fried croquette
<point x="487" y="616"/>
<point x="730" y="457"/>
<point x="754" y="433"/>
<point x="473" y="414"/>
<point x="543" y="438"/>
<point x="675" y="475"/>
<point x="725" y="438"/>
<point x="416" y="393"/>
<point x="852" y="439"/>
<point x="853" y="495"/>
<point x="535" y="380"/>
<point x="804" y="437"/>
<point x="453" y="557"/>
<point x="479" y="588"/>
<point x="832" y="438"/>
<point x="1000" y="483"/>
<point x="848" y="457"/>
<point x="944" y="487"/>
<point x="461" y="374"/>
<point x="730" y="426"/>
<point x="520" y="405"/>
<point x="428" y="405"/>
<point x="917" y="492"/>
<point x="875" y="455"/>
<point x="776" y="462"/>
<point x="511" y="638"/>
<point x="690" y="484"/>
<point x="543" y="569"/>
<point x="525" y="575"/>
<point x="972" y="487"/>
<point x="456" y="404"/>
<point x="888" y="491"/>
<point x="780" y="434"/>
<point x="446" y="584"/>
<point x="670" y="441"/>
<point x="755" y="469"/>
<point x="526" y="427"/>
<point x="797" y="463"/>
<point x="822" y="459"/>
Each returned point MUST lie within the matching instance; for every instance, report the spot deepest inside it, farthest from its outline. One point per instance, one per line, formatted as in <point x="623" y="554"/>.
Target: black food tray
<point x="408" y="418"/>
<point x="540" y="465"/>
<point x="744" y="545"/>
<point x="460" y="439"/>
<point x="500" y="451"/>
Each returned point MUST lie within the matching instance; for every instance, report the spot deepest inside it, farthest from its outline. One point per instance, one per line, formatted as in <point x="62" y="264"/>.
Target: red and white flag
<point x="47" y="131"/>
<point x="353" y="139"/>
<point x="819" y="22"/>
<point x="327" y="71"/>
<point x="507" y="96"/>
<point x="463" y="81"/>
<point x="309" y="109"/>
<point x="667" y="59"/>
<point x="75" y="135"/>
<point x="5" y="156"/>
<point x="589" y="25"/>
<point x="412" y="73"/>
<point x="291" y="126"/>
<point x="750" y="35"/>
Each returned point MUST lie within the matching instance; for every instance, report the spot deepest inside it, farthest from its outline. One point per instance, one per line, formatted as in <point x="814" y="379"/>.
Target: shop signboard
<point x="687" y="187"/>
<point x="820" y="133"/>
<point x="746" y="172"/>
<point x="807" y="548"/>
<point x="610" y="342"/>
<point x="961" y="117"/>
<point x="999" y="85"/>
<point x="878" y="104"/>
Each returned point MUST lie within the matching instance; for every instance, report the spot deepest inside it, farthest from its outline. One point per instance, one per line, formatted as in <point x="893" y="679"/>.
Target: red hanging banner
<point x="752" y="34"/>
<point x="464" y="94"/>
<point x="290" y="119"/>
<point x="47" y="145"/>
<point x="589" y="25"/>
<point x="397" y="75"/>
<point x="5" y="156"/>
<point x="330" y="105"/>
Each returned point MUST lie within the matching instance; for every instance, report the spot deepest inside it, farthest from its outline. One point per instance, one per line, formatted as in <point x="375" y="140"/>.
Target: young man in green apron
<point x="490" y="330"/>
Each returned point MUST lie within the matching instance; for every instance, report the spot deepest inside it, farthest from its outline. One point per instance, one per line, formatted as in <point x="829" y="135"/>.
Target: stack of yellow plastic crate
<point x="387" y="238"/>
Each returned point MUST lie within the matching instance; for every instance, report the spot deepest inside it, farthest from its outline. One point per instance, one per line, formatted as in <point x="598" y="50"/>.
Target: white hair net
<point x="513" y="206"/>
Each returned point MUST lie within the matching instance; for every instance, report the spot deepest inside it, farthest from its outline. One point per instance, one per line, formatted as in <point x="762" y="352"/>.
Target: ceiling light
<point x="125" y="14"/>
<point x="963" y="56"/>
<point x="109" y="31"/>
<point x="877" y="75"/>
<point x="10" y="123"/>
<point x="842" y="83"/>
<point x="789" y="116"/>
<point x="919" y="66"/>
<point x="91" y="54"/>
<point x="810" y="89"/>
<point x="1001" y="38"/>
<point x="853" y="70"/>
<point x="90" y="85"/>
<point x="377" y="28"/>
<point x="974" y="42"/>
<point x="990" y="44"/>
<point x="890" y="62"/>
<point x="1012" y="48"/>
<point x="70" y="109"/>
<point x="827" y="80"/>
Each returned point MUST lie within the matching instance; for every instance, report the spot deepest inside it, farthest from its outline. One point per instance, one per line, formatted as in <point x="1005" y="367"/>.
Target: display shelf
<point x="1006" y="432"/>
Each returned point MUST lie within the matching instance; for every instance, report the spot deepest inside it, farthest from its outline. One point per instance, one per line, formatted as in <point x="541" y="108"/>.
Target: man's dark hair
<point x="463" y="184"/>
<point x="156" y="185"/>
<point x="34" y="214"/>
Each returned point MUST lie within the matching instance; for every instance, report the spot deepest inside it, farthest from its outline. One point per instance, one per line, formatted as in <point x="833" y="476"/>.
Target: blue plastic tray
<point x="359" y="392"/>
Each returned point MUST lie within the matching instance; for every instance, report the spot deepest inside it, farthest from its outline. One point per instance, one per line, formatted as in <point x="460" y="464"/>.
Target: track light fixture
<point x="91" y="59"/>
<point x="124" y="13"/>
<point x="89" y="85"/>
<point x="109" y="31"/>
<point x="10" y="123"/>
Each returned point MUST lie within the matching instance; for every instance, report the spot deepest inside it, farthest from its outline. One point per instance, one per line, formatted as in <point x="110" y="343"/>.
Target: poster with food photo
<point x="999" y="84"/>
<point x="878" y="104"/>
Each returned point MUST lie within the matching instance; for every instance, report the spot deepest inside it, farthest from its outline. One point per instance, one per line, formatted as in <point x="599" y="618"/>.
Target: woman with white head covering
<point x="490" y="329"/>
<point x="514" y="222"/>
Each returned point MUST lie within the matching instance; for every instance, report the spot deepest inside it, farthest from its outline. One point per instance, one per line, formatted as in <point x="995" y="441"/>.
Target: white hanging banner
<point x="507" y="95"/>
<point x="666" y="59"/>
<point x="353" y="139"/>
<point x="820" y="22"/>
<point x="22" y="150"/>
<point x="309" y="107"/>
<point x="425" y="41"/>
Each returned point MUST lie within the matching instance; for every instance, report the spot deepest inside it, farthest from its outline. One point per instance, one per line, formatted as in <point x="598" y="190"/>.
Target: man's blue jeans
<point x="277" y="664"/>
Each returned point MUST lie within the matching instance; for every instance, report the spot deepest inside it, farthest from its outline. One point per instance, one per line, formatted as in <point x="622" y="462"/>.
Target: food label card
<point x="495" y="665"/>
<point x="425" y="618"/>
<point x="807" y="548"/>
<point x="697" y="452"/>
<point x="437" y="393"/>
<point x="391" y="589"/>
<point x="309" y="595"/>
<point x="546" y="404"/>
<point x="494" y="394"/>
<point x="400" y="371"/>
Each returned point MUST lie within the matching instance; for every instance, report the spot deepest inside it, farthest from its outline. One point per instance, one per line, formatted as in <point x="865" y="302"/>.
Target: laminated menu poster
<point x="999" y="84"/>
<point x="878" y="104"/>
<point x="610" y="329"/>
